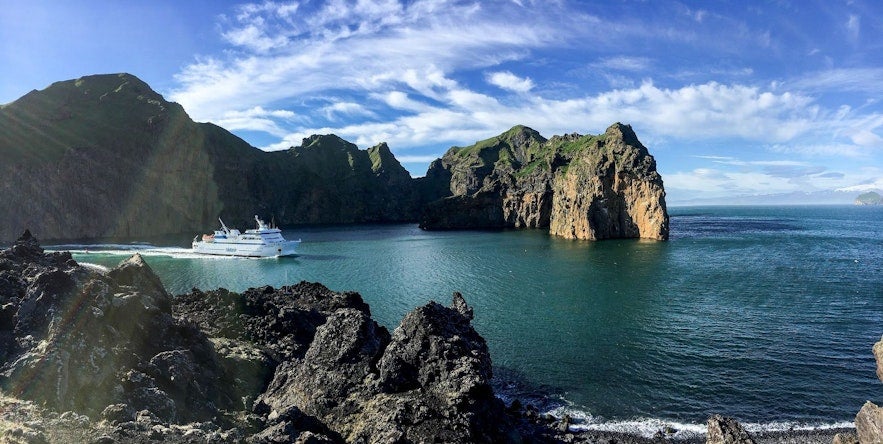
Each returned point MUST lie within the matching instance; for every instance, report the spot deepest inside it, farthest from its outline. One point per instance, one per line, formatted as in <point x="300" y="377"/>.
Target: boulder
<point x="869" y="424"/>
<point x="428" y="381"/>
<point x="878" y="356"/>
<point x="725" y="430"/>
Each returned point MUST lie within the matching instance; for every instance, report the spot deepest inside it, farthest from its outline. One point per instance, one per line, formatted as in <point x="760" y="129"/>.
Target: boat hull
<point x="216" y="248"/>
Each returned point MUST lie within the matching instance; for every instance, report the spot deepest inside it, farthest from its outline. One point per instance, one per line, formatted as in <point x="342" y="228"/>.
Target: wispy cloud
<point x="257" y="119"/>
<point x="426" y="73"/>
<point x="359" y="46"/>
<point x="623" y="63"/>
<point x="853" y="26"/>
<point x="509" y="81"/>
<point x="347" y="109"/>
<point x="865" y="79"/>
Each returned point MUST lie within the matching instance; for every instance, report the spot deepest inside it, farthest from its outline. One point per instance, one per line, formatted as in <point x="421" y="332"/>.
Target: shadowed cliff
<point x="106" y="156"/>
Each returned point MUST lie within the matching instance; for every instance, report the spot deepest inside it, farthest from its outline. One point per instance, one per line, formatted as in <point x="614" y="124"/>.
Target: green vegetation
<point x="91" y="111"/>
<point x="869" y="198"/>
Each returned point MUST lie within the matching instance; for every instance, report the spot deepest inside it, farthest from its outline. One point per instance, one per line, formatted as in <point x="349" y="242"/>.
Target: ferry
<point x="263" y="241"/>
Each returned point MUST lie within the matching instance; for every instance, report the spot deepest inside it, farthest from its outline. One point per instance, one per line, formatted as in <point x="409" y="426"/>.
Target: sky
<point x="732" y="98"/>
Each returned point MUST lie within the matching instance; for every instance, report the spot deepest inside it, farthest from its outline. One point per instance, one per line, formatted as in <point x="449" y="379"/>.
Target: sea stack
<point x="577" y="186"/>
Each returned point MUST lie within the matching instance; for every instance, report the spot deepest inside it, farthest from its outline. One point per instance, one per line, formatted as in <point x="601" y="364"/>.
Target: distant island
<point x="869" y="198"/>
<point x="106" y="156"/>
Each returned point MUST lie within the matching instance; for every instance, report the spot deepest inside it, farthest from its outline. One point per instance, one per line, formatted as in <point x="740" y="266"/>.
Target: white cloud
<point x="853" y="26"/>
<point x="869" y="80"/>
<point x="867" y="138"/>
<point x="256" y="119"/>
<point x="624" y="63"/>
<point x="869" y="185"/>
<point x="509" y="81"/>
<point x="253" y="37"/>
<point x="360" y="46"/>
<point x="347" y="109"/>
<point x="407" y="75"/>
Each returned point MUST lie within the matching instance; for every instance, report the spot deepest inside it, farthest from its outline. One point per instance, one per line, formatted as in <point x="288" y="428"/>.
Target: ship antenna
<point x="226" y="230"/>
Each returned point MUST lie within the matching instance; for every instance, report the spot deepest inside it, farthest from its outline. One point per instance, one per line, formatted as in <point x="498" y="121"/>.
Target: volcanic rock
<point x="724" y="430"/>
<point x="579" y="187"/>
<point x="869" y="424"/>
<point x="878" y="356"/>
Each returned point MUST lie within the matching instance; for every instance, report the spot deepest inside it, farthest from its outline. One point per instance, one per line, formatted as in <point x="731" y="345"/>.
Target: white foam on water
<point x="582" y="420"/>
<point x="99" y="268"/>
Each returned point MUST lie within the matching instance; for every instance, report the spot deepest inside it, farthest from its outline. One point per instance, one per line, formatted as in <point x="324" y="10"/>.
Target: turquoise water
<point x="766" y="314"/>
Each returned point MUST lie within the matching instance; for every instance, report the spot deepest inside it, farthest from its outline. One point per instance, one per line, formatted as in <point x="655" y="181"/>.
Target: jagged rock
<point x="869" y="424"/>
<point x="117" y="413"/>
<point x="134" y="272"/>
<point x="84" y="340"/>
<point x="878" y="356"/>
<point x="248" y="369"/>
<point x="296" y="364"/>
<point x="611" y="190"/>
<point x="724" y="430"/>
<point x="429" y="381"/>
<point x="579" y="187"/>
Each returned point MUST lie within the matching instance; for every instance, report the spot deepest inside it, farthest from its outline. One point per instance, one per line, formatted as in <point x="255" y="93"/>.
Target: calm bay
<point x="767" y="314"/>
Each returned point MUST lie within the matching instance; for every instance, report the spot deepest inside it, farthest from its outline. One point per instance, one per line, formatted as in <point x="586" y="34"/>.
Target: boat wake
<point x="142" y="249"/>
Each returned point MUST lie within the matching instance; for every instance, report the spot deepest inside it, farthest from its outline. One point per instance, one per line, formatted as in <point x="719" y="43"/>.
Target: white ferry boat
<point x="262" y="241"/>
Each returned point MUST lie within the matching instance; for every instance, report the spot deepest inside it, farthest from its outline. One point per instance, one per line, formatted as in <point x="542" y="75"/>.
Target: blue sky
<point x="731" y="97"/>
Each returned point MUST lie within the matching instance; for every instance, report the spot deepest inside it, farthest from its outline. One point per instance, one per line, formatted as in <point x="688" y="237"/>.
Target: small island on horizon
<point x="869" y="198"/>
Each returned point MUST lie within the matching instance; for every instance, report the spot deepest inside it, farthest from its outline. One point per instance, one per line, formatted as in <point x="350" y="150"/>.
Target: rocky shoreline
<point x="104" y="357"/>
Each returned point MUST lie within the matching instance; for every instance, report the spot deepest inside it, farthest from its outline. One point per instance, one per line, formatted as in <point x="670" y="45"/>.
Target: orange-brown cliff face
<point x="580" y="187"/>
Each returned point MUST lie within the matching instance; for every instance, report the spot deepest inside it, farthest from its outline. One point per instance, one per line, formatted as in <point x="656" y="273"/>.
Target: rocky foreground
<point x="103" y="357"/>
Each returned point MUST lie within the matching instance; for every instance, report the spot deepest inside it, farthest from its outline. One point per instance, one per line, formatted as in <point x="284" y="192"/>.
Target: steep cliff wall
<point x="580" y="187"/>
<point x="106" y="156"/>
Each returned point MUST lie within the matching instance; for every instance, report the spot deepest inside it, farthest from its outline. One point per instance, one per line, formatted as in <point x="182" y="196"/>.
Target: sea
<point x="765" y="314"/>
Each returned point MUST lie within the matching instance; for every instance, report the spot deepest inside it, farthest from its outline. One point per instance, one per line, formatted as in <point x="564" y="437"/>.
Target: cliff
<point x="579" y="187"/>
<point x="106" y="156"/>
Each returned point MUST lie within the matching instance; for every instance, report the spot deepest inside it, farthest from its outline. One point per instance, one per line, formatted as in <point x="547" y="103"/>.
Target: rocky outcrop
<point x="106" y="156"/>
<point x="295" y="364"/>
<point x="579" y="187"/>
<point x="878" y="357"/>
<point x="82" y="341"/>
<point x="869" y="420"/>
<point x="869" y="424"/>
<point x="724" y="430"/>
<point x="428" y="381"/>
